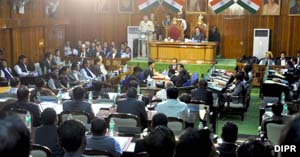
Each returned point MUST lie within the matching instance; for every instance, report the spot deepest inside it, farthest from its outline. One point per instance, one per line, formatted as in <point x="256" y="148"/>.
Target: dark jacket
<point x="96" y="69"/>
<point x="46" y="135"/>
<point x="28" y="106"/>
<point x="135" y="107"/>
<point x="202" y="94"/>
<point x="182" y="78"/>
<point x="76" y="105"/>
<point x="227" y="149"/>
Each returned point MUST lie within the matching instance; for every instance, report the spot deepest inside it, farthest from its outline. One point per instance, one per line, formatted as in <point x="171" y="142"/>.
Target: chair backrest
<point x="82" y="116"/>
<point x="273" y="131"/>
<point x="177" y="125"/>
<point x="37" y="68"/>
<point x="174" y="31"/>
<point x="142" y="154"/>
<point x="195" y="77"/>
<point x="124" y="120"/>
<point x="96" y="153"/>
<point x="187" y="83"/>
<point x="40" y="151"/>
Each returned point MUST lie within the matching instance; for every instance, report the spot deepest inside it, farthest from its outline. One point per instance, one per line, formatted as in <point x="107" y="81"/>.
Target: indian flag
<point x="175" y="5"/>
<point x="251" y="5"/>
<point x="146" y="4"/>
<point x="220" y="5"/>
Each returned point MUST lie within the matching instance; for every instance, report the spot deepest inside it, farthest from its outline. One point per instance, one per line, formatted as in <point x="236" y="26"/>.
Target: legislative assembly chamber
<point x="149" y="78"/>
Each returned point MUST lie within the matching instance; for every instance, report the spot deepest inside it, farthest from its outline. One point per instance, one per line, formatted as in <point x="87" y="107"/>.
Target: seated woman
<point x="54" y="83"/>
<point x="40" y="87"/>
<point x="268" y="60"/>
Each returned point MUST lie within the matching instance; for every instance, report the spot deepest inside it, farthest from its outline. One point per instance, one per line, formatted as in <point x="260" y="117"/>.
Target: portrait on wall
<point x="271" y="7"/>
<point x="102" y="6"/>
<point x="195" y="6"/>
<point x="294" y="8"/>
<point x="126" y="6"/>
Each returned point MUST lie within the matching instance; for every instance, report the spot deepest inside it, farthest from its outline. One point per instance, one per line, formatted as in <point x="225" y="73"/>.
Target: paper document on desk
<point x="4" y="99"/>
<point x="123" y="141"/>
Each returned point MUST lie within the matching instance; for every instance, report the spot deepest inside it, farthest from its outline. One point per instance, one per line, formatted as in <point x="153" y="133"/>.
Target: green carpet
<point x="227" y="64"/>
<point x="250" y="124"/>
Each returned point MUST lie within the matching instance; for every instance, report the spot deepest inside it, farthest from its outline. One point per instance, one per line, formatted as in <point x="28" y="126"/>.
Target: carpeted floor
<point x="248" y="127"/>
<point x="250" y="124"/>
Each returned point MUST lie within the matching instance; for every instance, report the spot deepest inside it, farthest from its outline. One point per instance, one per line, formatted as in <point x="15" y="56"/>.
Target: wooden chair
<point x="175" y="32"/>
<point x="40" y="151"/>
<point x="177" y="125"/>
<point x="82" y="116"/>
<point x="96" y="153"/>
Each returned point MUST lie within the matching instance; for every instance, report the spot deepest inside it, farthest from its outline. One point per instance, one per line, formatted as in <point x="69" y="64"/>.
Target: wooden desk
<point x="189" y="52"/>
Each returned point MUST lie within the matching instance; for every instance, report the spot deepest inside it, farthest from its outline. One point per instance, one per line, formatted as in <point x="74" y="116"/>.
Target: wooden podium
<point x="187" y="52"/>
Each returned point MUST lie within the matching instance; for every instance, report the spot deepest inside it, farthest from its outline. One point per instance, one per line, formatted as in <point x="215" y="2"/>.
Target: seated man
<point x="251" y="148"/>
<point x="202" y="93"/>
<point x="114" y="54"/>
<point x="282" y="60"/>
<point x="162" y="94"/>
<point x="98" y="140"/>
<point x="150" y="71"/>
<point x="85" y="71"/>
<point x="73" y="142"/>
<point x="229" y="136"/>
<point x="46" y="64"/>
<point x="133" y="106"/>
<point x="173" y="107"/>
<point x="46" y="134"/>
<point x="15" y="84"/>
<point x="21" y="67"/>
<point x="77" y="103"/>
<point x="75" y="75"/>
<point x="23" y="103"/>
<point x="40" y="87"/>
<point x="98" y="93"/>
<point x="136" y="75"/>
<point x="277" y="109"/>
<point x="14" y="137"/>
<point x="56" y="60"/>
<point x="5" y="71"/>
<point x="159" y="119"/>
<point x="182" y="77"/>
<point x="174" y="64"/>
<point x="96" y="67"/>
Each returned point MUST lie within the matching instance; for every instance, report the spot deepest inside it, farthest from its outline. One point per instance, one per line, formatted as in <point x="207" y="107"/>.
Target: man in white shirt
<point x="183" y="21"/>
<point x="162" y="94"/>
<point x="21" y="68"/>
<point x="5" y="71"/>
<point x="85" y="71"/>
<point x="173" y="107"/>
<point x="147" y="29"/>
<point x="68" y="49"/>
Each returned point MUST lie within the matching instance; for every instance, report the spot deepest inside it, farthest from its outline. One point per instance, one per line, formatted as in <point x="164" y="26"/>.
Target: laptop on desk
<point x="131" y="131"/>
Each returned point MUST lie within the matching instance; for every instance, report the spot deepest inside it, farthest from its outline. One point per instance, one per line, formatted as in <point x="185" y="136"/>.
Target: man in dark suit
<point x="133" y="106"/>
<point x="282" y="60"/>
<point x="22" y="103"/>
<point x="182" y="77"/>
<point x="46" y="135"/>
<point x="136" y="75"/>
<point x="202" y="93"/>
<point x="229" y="135"/>
<point x="95" y="68"/>
<point x="46" y="63"/>
<point x="77" y="104"/>
<point x="150" y="71"/>
<point x="113" y="54"/>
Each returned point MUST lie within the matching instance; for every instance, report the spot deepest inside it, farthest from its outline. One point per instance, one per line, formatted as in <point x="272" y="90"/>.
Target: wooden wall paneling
<point x="54" y="38"/>
<point x="5" y="43"/>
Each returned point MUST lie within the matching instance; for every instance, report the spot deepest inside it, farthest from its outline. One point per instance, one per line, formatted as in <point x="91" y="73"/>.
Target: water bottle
<point x="59" y="97"/>
<point x="38" y="96"/>
<point x="68" y="85"/>
<point x="111" y="127"/>
<point x="139" y="90"/>
<point x="28" y="120"/>
<point x="285" y="109"/>
<point x="90" y="99"/>
<point x="119" y="88"/>
<point x="283" y="97"/>
<point x="200" y="126"/>
<point x="8" y="83"/>
<point x="70" y="117"/>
